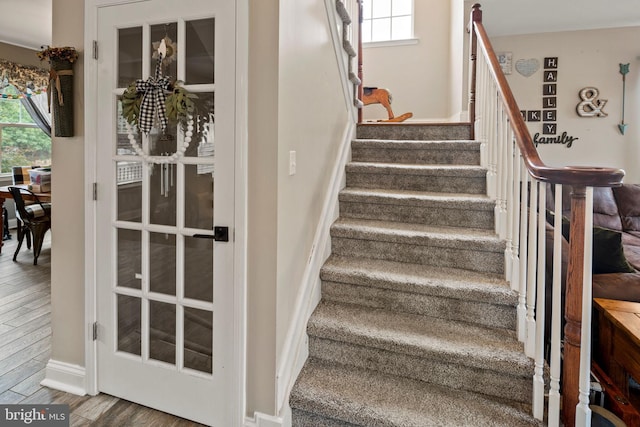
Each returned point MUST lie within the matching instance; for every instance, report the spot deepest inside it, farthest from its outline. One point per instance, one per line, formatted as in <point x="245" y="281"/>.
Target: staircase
<point x="416" y="326"/>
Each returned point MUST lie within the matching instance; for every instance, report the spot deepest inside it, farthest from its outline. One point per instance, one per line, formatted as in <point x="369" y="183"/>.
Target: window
<point x="21" y="140"/>
<point x="385" y="20"/>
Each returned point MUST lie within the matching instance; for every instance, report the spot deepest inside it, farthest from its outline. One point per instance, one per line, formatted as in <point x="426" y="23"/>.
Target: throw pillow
<point x="608" y="252"/>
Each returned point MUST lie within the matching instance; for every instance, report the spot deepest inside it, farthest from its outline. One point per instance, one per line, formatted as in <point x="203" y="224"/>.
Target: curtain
<point x="31" y="82"/>
<point x="25" y="78"/>
<point x="36" y="106"/>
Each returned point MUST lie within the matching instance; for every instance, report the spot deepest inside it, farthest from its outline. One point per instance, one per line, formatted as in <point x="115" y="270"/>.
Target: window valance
<point x="26" y="79"/>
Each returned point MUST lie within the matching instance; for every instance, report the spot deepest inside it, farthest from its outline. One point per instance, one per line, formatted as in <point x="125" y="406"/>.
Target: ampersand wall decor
<point x="591" y="106"/>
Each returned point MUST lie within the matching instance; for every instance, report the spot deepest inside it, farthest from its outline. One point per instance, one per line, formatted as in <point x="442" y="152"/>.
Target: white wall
<point x="417" y="74"/>
<point x="586" y="58"/>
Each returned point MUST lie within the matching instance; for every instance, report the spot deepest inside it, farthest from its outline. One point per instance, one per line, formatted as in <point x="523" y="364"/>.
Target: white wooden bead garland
<point x="161" y="159"/>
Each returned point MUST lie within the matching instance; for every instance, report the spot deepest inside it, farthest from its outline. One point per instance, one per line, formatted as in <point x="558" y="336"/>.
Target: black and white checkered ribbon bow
<point x="153" y="99"/>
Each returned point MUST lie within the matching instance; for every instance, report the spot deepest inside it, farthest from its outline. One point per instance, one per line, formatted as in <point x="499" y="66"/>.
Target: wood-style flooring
<point x="25" y="346"/>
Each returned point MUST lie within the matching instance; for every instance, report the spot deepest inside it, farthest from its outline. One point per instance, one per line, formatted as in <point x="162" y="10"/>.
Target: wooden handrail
<point x="569" y="175"/>
<point x="578" y="177"/>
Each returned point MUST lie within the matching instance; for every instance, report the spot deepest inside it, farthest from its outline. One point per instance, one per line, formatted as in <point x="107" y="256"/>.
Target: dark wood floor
<point x="25" y="345"/>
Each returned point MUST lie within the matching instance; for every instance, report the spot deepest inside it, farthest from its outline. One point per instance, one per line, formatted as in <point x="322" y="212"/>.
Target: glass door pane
<point x="129" y="55"/>
<point x="199" y="53"/>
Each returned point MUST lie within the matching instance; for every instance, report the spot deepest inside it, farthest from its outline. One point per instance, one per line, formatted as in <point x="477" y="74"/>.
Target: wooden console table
<point x="619" y="333"/>
<point x="5" y="194"/>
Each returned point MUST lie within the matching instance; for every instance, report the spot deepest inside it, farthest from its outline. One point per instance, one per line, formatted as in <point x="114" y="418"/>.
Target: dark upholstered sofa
<point x="616" y="221"/>
<point x="616" y="209"/>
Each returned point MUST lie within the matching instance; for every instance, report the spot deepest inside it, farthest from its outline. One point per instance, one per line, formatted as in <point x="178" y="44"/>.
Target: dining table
<point x="6" y="194"/>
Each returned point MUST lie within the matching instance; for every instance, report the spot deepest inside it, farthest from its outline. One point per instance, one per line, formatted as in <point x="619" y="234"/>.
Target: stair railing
<point x="519" y="181"/>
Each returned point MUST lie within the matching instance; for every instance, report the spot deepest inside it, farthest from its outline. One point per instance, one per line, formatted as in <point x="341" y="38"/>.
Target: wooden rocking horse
<point x="374" y="95"/>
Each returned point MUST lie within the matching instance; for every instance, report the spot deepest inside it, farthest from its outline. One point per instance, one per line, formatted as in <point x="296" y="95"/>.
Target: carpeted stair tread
<point x="419" y="279"/>
<point x="428" y="337"/>
<point x="437" y="209"/>
<point x="417" y="198"/>
<point x="309" y="419"/>
<point x="462" y="152"/>
<point x="418" y="234"/>
<point x="367" y="398"/>
<point x="414" y="131"/>
<point x="462" y="171"/>
<point x="445" y="144"/>
<point x="434" y="177"/>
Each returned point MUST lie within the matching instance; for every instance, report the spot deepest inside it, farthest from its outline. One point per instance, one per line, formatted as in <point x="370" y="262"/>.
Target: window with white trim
<point x="22" y="143"/>
<point x="387" y="20"/>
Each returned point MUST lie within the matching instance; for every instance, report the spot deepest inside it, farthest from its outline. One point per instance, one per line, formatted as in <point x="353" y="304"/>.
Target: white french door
<point x="164" y="268"/>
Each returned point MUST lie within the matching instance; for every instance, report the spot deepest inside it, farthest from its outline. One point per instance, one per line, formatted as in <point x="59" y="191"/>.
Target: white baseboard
<point x="65" y="377"/>
<point x="263" y="420"/>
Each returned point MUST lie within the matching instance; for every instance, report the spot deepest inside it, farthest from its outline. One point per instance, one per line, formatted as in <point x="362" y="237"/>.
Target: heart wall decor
<point x="527" y="67"/>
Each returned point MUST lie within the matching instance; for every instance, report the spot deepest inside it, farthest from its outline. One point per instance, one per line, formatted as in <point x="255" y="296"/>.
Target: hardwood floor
<point x="25" y="346"/>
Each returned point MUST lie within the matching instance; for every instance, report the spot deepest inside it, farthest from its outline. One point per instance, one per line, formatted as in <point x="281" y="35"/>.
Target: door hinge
<point x="95" y="191"/>
<point x="94" y="331"/>
<point x="95" y="49"/>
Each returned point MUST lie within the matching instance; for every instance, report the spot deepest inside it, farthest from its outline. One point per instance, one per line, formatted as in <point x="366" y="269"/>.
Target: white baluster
<point x="501" y="169"/>
<point x="514" y="216"/>
<point x="553" y="416"/>
<point x="522" y="295"/>
<point x="531" y="269"/>
<point x="538" y="380"/>
<point x="508" y="192"/>
<point x="499" y="151"/>
<point x="493" y="166"/>
<point x="583" y="412"/>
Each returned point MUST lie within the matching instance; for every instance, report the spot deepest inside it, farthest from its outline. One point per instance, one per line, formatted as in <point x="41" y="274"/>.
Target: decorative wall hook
<point x="624" y="69"/>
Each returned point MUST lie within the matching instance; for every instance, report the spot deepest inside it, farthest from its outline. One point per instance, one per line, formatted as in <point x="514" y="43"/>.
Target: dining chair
<point x="20" y="175"/>
<point x="36" y="219"/>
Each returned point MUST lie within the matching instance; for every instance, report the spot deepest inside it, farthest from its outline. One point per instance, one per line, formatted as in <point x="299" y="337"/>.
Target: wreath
<point x="145" y="101"/>
<point x="179" y="105"/>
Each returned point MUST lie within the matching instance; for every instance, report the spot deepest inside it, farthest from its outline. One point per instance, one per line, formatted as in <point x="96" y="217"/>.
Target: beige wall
<point x="457" y="60"/>
<point x="21" y="55"/>
<point x="418" y="74"/>
<point x="263" y="197"/>
<point x="586" y="58"/>
<point x="291" y="52"/>
<point x="312" y="125"/>
<point x="67" y="191"/>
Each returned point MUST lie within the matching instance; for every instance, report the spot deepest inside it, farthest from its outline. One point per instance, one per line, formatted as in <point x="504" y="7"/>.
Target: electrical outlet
<point x="292" y="162"/>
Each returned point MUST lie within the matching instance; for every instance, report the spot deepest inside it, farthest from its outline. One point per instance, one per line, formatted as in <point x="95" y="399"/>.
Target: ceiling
<point x="509" y="17"/>
<point x="27" y="23"/>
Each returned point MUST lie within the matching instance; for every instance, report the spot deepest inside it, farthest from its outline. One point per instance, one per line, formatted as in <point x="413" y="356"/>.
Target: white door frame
<point x="238" y="369"/>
